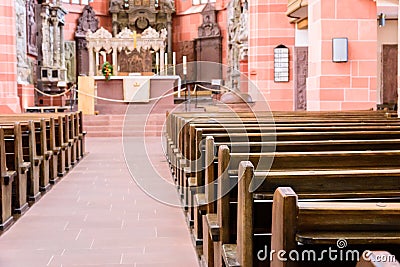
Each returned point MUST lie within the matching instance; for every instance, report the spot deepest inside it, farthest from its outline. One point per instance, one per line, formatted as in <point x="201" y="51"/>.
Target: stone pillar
<point x="115" y="60"/>
<point x="91" y="61"/>
<point x="349" y="85"/>
<point x="9" y="100"/>
<point x="169" y="31"/>
<point x="97" y="62"/>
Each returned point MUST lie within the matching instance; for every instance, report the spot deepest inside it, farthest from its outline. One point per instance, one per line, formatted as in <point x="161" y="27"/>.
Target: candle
<point x="184" y="65"/>
<point x="173" y="58"/>
<point x="134" y="39"/>
<point x="157" y="59"/>
<point x="166" y="59"/>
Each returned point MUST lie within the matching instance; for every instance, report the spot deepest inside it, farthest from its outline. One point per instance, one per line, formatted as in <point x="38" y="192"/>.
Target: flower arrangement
<point x="107" y="70"/>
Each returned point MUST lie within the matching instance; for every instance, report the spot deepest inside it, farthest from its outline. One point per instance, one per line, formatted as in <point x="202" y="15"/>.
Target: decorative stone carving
<point x="238" y="16"/>
<point x="102" y="41"/>
<point x="101" y="33"/>
<point x="51" y="68"/>
<point x="135" y="61"/>
<point x="209" y="45"/>
<point x="86" y="22"/>
<point x="23" y="71"/>
<point x="150" y="33"/>
<point x="32" y="27"/>
<point x="139" y="15"/>
<point x="209" y="27"/>
<point x="70" y="61"/>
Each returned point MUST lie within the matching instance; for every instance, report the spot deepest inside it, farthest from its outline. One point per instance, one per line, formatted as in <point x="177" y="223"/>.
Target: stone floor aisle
<point x="97" y="216"/>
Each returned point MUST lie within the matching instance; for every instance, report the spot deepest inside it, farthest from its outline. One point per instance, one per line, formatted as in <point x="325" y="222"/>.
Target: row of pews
<point x="256" y="184"/>
<point x="35" y="151"/>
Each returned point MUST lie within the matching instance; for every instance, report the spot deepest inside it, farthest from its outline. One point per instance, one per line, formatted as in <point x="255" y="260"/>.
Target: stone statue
<point x="32" y="27"/>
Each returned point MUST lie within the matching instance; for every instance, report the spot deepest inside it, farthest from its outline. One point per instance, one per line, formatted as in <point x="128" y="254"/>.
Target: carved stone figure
<point x="32" y="27"/>
<point x="70" y="61"/>
<point x="209" y="27"/>
<point x="87" y="21"/>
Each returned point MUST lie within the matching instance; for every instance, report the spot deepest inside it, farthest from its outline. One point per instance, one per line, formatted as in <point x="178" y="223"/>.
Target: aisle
<point x="97" y="216"/>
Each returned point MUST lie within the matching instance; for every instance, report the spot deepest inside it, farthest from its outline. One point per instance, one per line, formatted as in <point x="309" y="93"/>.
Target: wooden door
<point x="389" y="74"/>
<point x="300" y="76"/>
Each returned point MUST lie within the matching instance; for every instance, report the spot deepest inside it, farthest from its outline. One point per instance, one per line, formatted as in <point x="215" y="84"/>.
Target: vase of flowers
<point x="107" y="70"/>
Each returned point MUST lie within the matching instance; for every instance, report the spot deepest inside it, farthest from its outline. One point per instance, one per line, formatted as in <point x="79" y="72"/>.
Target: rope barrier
<point x="50" y="95"/>
<point x="125" y="101"/>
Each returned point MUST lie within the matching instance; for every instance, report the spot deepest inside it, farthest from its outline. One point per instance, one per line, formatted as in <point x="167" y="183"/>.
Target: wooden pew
<point x="282" y="162"/>
<point x="15" y="161"/>
<point x="6" y="181"/>
<point x="255" y="206"/>
<point x="324" y="223"/>
<point x="197" y="199"/>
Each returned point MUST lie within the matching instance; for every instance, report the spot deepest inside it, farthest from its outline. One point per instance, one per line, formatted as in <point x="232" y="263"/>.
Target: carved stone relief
<point x="209" y="27"/>
<point x="70" y="61"/>
<point x="135" y="61"/>
<point x="32" y="27"/>
<point x="238" y="16"/>
<point x="87" y="21"/>
<point x="23" y="71"/>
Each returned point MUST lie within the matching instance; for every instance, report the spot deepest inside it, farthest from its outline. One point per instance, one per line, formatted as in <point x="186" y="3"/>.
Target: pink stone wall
<point x="9" y="101"/>
<point x="342" y="86"/>
<point x="270" y="27"/>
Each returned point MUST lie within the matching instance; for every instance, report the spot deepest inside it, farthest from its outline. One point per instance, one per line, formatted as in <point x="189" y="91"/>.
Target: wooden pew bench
<point x="254" y="210"/>
<point x="282" y="162"/>
<point x="196" y="198"/>
<point x="363" y="226"/>
<point x="15" y="161"/>
<point x="7" y="176"/>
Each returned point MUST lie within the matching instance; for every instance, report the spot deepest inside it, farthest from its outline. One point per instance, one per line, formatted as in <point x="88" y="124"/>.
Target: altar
<point x="97" y="95"/>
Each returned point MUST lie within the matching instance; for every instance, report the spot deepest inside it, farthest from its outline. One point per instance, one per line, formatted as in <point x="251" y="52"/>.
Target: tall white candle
<point x="166" y="59"/>
<point x="157" y="59"/>
<point x="173" y="58"/>
<point x="184" y="65"/>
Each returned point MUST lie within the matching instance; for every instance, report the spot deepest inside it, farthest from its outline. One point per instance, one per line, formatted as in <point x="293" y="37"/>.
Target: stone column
<point x="91" y="60"/>
<point x="97" y="62"/>
<point x="115" y="60"/>
<point x="9" y="100"/>
<point x="169" y="31"/>
<point x="56" y="43"/>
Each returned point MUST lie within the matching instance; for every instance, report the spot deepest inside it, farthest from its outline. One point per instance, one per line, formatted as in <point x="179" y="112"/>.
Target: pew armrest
<point x="359" y="238"/>
<point x="64" y="146"/>
<point x="48" y="154"/>
<point x="37" y="160"/>
<point x="9" y="177"/>
<point x="229" y="255"/>
<point x="24" y="166"/>
<point x="212" y="223"/>
<point x="56" y="151"/>
<point x="70" y="142"/>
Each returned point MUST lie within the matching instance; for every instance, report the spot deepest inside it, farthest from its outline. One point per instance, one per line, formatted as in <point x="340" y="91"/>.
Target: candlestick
<point x="134" y="39"/>
<point x="166" y="59"/>
<point x="184" y="65"/>
<point x="157" y="59"/>
<point x="174" y="63"/>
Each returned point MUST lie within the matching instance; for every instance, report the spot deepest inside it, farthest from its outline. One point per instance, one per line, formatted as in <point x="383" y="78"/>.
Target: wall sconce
<point x="381" y="20"/>
<point x="339" y="49"/>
